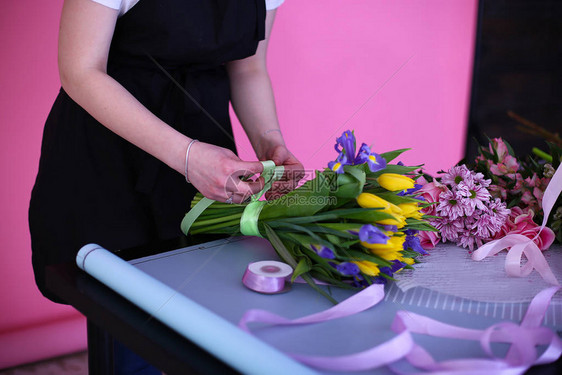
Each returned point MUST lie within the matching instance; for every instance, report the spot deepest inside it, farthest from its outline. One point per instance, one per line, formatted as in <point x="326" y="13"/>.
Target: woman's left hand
<point x="294" y="171"/>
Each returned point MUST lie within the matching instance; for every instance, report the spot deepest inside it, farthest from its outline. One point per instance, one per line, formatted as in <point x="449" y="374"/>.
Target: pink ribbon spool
<point x="267" y="276"/>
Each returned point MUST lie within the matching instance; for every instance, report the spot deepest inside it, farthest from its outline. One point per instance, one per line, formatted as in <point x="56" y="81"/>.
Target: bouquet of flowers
<point x="499" y="195"/>
<point x="355" y="223"/>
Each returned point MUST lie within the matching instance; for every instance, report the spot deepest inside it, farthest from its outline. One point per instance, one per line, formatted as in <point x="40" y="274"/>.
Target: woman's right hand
<point x="216" y="172"/>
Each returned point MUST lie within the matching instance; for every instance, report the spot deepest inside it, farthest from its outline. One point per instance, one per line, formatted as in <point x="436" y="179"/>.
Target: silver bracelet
<point x="187" y="157"/>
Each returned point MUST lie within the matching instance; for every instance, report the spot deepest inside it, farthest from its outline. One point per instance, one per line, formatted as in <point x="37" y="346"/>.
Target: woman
<point x="143" y="108"/>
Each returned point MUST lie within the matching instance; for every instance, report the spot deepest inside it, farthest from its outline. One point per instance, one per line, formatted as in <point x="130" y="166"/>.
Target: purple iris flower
<point x="371" y="234"/>
<point x="413" y="242"/>
<point x="360" y="282"/>
<point x="411" y="191"/>
<point x="390" y="228"/>
<point x="324" y="252"/>
<point x="373" y="160"/>
<point x="337" y="165"/>
<point x="347" y="142"/>
<point x="396" y="265"/>
<point x="348" y="269"/>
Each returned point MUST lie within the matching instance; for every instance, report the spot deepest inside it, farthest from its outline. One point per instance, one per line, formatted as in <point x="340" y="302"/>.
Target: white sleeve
<point x="273" y="4"/>
<point x="113" y="4"/>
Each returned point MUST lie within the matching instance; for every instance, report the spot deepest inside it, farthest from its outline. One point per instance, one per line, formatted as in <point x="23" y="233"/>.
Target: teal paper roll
<point x="223" y="339"/>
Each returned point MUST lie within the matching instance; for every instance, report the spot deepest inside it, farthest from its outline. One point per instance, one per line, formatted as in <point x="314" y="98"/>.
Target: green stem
<point x="541" y="154"/>
<point x="209" y="229"/>
<point x="217" y="220"/>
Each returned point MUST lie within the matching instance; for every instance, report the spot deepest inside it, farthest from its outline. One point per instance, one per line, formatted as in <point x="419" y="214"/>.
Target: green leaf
<point x="279" y="246"/>
<point x="313" y="285"/>
<point x="343" y="226"/>
<point x="302" y="267"/>
<point x="335" y="240"/>
<point x="306" y="200"/>
<point x="319" y="275"/>
<point x="410" y="253"/>
<point x="348" y="244"/>
<point x="370" y="215"/>
<point x="330" y="231"/>
<point x="398" y="169"/>
<point x="420" y="225"/>
<point x="363" y="215"/>
<point x="356" y="172"/>
<point x="391" y="155"/>
<point x="359" y="255"/>
<point x="315" y="238"/>
<point x="304" y="220"/>
<point x="350" y="184"/>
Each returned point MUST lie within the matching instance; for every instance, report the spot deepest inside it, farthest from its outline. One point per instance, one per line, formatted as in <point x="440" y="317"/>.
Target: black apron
<point x="92" y="185"/>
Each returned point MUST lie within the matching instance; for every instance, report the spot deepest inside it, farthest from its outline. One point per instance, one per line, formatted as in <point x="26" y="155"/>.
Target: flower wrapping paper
<point x="478" y="281"/>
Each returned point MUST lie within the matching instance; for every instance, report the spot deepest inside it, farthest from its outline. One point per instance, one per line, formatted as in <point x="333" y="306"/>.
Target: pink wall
<point x="31" y="327"/>
<point x="397" y="72"/>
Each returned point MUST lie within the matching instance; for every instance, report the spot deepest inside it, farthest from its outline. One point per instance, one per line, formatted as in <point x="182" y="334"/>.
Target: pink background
<point x="397" y="72"/>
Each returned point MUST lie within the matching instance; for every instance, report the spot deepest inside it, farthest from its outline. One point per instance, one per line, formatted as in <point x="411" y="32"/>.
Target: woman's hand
<point x="294" y="170"/>
<point x="254" y="103"/>
<point x="216" y="172"/>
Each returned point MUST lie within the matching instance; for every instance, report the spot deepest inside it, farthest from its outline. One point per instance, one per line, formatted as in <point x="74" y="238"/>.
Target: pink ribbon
<point x="361" y="301"/>
<point x="523" y="339"/>
<point x="521" y="245"/>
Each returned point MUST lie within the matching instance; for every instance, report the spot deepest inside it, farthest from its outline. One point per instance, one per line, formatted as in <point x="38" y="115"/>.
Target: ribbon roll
<point x="267" y="276"/>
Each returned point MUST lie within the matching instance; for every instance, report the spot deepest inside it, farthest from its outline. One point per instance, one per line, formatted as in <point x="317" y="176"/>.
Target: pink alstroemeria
<point x="507" y="164"/>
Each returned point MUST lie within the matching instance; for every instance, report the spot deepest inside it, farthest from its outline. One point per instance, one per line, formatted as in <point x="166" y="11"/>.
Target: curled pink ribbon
<point x="522" y="338"/>
<point x="520" y="245"/>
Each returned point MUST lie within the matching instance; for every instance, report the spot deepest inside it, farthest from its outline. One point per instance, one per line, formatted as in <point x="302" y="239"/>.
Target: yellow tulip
<point x="395" y="182"/>
<point x="388" y="255"/>
<point x="394" y="243"/>
<point x="368" y="200"/>
<point x="397" y="219"/>
<point x="368" y="268"/>
<point x="411" y="210"/>
<point x="409" y="261"/>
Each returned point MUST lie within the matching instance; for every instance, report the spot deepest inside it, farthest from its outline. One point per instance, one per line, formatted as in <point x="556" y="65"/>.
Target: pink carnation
<point x="430" y="193"/>
<point x="428" y="240"/>
<point x="521" y="222"/>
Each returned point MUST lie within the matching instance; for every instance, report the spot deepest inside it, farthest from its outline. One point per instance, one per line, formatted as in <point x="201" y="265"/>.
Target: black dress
<point x="92" y="185"/>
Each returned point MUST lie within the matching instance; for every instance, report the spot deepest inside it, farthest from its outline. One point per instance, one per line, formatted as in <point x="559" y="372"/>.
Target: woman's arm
<point x="254" y="104"/>
<point x="85" y="36"/>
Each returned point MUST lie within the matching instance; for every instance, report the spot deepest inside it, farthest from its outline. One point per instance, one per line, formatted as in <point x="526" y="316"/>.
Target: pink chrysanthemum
<point x="449" y="229"/>
<point x="456" y="175"/>
<point x="450" y="205"/>
<point x="468" y="215"/>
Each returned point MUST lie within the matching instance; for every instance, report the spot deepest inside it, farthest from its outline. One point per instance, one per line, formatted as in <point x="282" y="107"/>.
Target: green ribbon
<point x="194" y="213"/>
<point x="251" y="214"/>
